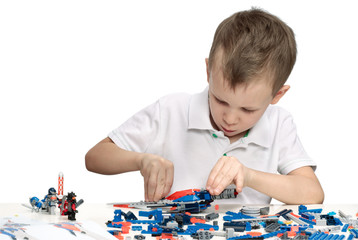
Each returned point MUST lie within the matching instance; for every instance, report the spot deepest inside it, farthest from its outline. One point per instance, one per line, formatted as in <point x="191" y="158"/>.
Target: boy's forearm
<point x="289" y="189"/>
<point x="108" y="158"/>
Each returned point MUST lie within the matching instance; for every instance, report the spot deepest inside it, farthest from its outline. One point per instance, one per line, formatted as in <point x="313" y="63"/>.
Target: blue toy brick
<point x="136" y="228"/>
<point x="241" y="237"/>
<point x="272" y="234"/>
<point x="248" y="227"/>
<point x="345" y="227"/>
<point x="235" y="216"/>
<point x="113" y="224"/>
<point x="323" y="237"/>
<point x="117" y="216"/>
<point x="330" y="237"/>
<point x="303" y="209"/>
<point x="198" y="226"/>
<point x="143" y="221"/>
<point x="285" y="227"/>
<point x="313" y="235"/>
<point x="157" y="214"/>
<point x="354" y="232"/>
<point x="284" y="212"/>
<point x="307" y="221"/>
<point x="317" y="235"/>
<point x="307" y="216"/>
<point x="336" y="236"/>
<point x="188" y="198"/>
<point x="331" y="220"/>
<point x="338" y="221"/>
<point x="304" y="227"/>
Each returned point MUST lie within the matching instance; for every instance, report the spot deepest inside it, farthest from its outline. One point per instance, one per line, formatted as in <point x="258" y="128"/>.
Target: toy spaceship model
<point x="191" y="200"/>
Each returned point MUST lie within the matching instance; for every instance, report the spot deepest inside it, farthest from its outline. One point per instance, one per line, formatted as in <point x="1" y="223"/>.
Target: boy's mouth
<point x="226" y="130"/>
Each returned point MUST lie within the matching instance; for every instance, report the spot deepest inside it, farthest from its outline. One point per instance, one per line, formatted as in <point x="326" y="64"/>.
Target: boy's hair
<point x="254" y="42"/>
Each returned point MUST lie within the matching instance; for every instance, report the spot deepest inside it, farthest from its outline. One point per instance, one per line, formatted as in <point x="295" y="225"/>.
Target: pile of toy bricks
<point x="249" y="223"/>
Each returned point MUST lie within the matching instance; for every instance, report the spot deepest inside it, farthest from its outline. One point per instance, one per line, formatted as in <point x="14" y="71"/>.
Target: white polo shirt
<point x="177" y="127"/>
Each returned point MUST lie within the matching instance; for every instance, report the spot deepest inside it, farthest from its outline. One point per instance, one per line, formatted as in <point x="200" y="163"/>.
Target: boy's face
<point x="234" y="111"/>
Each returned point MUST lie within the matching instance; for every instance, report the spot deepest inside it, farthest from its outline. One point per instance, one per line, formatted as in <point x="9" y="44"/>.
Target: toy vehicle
<point x="191" y="200"/>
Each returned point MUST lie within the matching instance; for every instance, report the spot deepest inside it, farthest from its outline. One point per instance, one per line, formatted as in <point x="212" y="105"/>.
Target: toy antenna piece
<point x="60" y="185"/>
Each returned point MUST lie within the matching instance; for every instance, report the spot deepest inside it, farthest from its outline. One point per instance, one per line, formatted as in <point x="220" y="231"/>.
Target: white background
<point x="71" y="71"/>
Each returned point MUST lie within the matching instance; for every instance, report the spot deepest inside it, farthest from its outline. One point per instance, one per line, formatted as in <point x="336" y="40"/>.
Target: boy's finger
<point x="217" y="173"/>
<point x="214" y="172"/>
<point x="159" y="189"/>
<point x="226" y="175"/>
<point x="168" y="181"/>
<point x="145" y="178"/>
<point x="239" y="182"/>
<point x="145" y="190"/>
<point x="152" y="184"/>
<point x="220" y="181"/>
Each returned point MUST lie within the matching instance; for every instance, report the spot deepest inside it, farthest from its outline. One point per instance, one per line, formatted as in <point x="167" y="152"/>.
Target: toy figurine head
<point x="33" y="201"/>
<point x="52" y="191"/>
<point x="71" y="196"/>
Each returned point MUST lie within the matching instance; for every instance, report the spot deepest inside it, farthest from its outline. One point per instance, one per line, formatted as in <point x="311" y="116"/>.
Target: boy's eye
<point x="220" y="102"/>
<point x="247" y="110"/>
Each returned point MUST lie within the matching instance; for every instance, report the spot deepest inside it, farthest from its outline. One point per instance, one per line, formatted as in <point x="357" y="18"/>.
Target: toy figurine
<point x="36" y="204"/>
<point x="50" y="201"/>
<point x="69" y="206"/>
<point x="47" y="204"/>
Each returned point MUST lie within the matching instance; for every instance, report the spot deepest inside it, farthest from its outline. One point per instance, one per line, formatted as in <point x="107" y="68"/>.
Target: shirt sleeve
<point x="139" y="131"/>
<point x="291" y="152"/>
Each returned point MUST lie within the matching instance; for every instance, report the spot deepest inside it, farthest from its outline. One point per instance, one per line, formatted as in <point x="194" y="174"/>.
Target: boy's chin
<point x="230" y="134"/>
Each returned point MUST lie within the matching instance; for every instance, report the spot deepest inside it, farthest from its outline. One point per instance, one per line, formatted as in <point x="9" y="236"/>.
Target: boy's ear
<point x="280" y="94"/>
<point x="207" y="69"/>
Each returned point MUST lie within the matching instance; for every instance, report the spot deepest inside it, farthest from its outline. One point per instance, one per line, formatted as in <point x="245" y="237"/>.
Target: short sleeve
<point x="139" y="131"/>
<point x="291" y="152"/>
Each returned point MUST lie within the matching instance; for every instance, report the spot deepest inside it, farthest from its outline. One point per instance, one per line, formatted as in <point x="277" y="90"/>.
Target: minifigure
<point x="69" y="206"/>
<point x="50" y="201"/>
<point x="36" y="204"/>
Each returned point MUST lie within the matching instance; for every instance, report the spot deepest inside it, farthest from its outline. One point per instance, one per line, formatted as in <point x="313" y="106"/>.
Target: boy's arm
<point x="107" y="158"/>
<point x="300" y="186"/>
<point x="158" y="173"/>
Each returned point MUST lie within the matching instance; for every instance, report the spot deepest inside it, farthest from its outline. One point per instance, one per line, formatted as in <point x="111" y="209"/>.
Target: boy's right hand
<point x="158" y="174"/>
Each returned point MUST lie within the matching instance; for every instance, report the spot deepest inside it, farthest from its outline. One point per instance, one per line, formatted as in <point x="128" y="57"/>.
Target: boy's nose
<point x="230" y="119"/>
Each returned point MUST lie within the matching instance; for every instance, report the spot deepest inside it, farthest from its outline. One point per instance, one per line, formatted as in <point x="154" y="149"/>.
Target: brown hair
<point x="254" y="42"/>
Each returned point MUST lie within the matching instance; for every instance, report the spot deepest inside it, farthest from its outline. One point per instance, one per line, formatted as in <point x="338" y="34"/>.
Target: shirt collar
<point x="199" y="118"/>
<point x="260" y="133"/>
<point x="199" y="113"/>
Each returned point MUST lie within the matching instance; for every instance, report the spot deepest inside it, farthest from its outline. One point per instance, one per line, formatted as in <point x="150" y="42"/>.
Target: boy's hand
<point x="158" y="174"/>
<point x="226" y="171"/>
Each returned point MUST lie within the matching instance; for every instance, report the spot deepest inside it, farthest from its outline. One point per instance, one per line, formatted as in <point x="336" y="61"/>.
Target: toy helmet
<point x="33" y="201"/>
<point x="52" y="191"/>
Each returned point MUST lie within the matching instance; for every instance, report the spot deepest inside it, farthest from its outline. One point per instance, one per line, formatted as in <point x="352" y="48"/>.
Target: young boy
<point x="228" y="134"/>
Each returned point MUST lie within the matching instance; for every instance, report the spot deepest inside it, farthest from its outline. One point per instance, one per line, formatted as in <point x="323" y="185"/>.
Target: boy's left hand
<point x="226" y="171"/>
